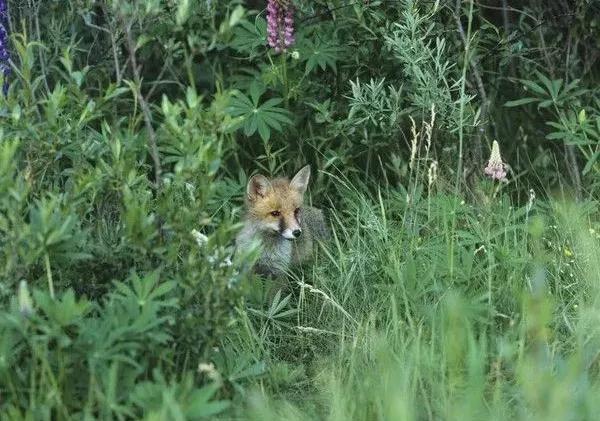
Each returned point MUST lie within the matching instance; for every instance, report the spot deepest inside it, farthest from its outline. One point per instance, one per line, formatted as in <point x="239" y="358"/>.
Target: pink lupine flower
<point x="273" y="12"/>
<point x="288" y="27"/>
<point x="280" y="24"/>
<point x="496" y="169"/>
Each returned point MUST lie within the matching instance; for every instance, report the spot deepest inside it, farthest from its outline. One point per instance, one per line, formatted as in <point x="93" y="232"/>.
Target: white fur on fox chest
<point x="276" y="254"/>
<point x="276" y="251"/>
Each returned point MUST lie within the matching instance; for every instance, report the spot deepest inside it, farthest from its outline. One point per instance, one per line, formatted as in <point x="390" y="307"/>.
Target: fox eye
<point x="275" y="213"/>
<point x="297" y="211"/>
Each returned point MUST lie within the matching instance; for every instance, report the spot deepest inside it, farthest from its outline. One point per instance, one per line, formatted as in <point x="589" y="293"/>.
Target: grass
<point x="388" y="325"/>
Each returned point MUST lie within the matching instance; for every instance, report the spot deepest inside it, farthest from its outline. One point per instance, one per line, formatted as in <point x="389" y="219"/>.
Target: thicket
<point x="129" y="129"/>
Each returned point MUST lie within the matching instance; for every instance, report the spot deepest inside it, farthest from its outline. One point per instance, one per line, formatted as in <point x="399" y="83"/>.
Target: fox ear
<point x="258" y="186"/>
<point x="300" y="180"/>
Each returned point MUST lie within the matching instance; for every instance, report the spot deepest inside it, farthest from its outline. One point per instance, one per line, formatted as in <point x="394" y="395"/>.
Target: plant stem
<point x="152" y="145"/>
<point x="285" y="80"/>
<point x="459" y="167"/>
<point x="49" y="275"/>
<point x="476" y="148"/>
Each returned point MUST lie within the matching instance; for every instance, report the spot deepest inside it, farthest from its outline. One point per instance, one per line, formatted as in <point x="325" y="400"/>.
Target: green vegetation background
<point x="442" y="295"/>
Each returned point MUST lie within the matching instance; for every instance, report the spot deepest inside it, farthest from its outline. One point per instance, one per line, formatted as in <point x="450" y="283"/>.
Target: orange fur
<point x="280" y="197"/>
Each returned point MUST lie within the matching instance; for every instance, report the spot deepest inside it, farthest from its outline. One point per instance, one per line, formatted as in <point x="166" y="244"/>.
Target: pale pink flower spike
<point x="496" y="169"/>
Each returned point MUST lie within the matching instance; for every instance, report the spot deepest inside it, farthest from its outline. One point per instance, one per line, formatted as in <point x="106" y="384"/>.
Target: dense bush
<point x="128" y="132"/>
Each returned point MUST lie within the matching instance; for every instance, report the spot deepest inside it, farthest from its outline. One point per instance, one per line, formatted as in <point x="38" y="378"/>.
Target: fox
<point x="287" y="230"/>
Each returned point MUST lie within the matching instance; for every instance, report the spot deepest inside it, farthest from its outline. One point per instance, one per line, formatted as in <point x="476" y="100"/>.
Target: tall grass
<point x="381" y="329"/>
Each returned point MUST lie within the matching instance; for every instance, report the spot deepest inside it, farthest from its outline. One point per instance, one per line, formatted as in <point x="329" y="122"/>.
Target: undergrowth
<point x="448" y="289"/>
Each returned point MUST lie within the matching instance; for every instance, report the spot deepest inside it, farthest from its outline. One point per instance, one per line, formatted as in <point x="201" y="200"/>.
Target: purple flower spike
<point x="4" y="54"/>
<point x="280" y="24"/>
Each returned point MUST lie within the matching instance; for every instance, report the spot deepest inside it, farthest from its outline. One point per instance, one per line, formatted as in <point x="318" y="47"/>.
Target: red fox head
<point x="275" y="205"/>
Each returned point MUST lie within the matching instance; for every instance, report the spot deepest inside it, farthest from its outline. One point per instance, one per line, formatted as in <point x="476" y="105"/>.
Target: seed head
<point x="432" y="176"/>
<point x="429" y="129"/>
<point x="413" y="143"/>
<point x="24" y="299"/>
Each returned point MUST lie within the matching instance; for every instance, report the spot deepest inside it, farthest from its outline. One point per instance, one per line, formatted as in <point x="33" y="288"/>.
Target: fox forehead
<point x="281" y="198"/>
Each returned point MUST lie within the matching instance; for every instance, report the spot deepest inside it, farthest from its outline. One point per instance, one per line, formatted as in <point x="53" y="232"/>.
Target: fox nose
<point x="297" y="233"/>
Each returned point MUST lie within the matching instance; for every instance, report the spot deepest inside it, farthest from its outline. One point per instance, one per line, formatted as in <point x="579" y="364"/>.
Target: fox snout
<point x="291" y="234"/>
<point x="289" y="225"/>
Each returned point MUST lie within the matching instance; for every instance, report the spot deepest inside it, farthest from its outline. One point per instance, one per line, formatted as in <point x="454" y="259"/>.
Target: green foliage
<point x="259" y="117"/>
<point x="179" y="401"/>
<point x="87" y="356"/>
<point x="321" y="54"/>
<point x="127" y="137"/>
<point x="567" y="115"/>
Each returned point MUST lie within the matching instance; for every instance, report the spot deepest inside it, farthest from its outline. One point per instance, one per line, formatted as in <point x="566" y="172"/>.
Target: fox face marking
<point x="289" y="228"/>
<point x="275" y="205"/>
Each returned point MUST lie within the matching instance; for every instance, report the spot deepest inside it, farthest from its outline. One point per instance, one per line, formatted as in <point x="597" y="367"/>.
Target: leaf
<point x="251" y="125"/>
<point x="278" y="304"/>
<point x="591" y="162"/>
<point x="535" y="87"/>
<point x="201" y="406"/>
<point x="321" y="55"/>
<point x="236" y="16"/>
<point x="262" y="118"/>
<point x="550" y="85"/>
<point x="519" y="102"/>
<point x="253" y="370"/>
<point x="207" y="409"/>
<point x="270" y="103"/>
<point x="114" y="92"/>
<point x="556" y="135"/>
<point x="250" y="37"/>
<point x="183" y="12"/>
<point x="263" y="130"/>
<point x="256" y="91"/>
<point x="555" y="125"/>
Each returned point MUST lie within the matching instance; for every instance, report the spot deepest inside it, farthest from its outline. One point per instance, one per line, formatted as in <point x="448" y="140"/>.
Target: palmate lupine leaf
<point x="547" y="92"/>
<point x="321" y="54"/>
<point x="259" y="117"/>
<point x="250" y="37"/>
<point x="177" y="400"/>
